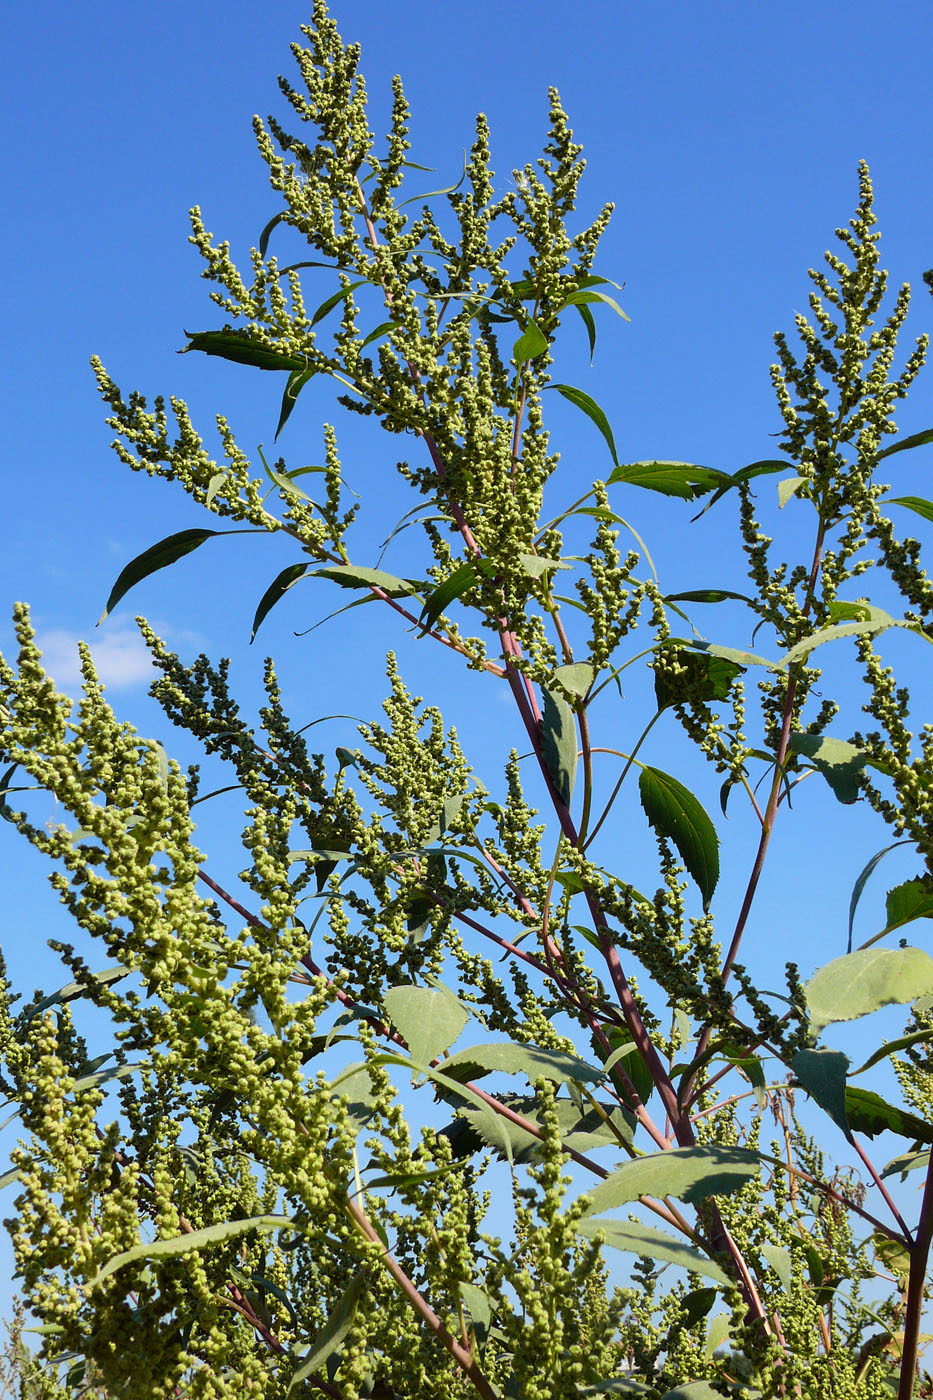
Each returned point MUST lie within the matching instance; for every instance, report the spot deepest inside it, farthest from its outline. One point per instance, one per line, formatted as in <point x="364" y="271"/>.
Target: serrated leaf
<point x="870" y="1114"/>
<point x="650" y="1244"/>
<point x="823" y="1074"/>
<point x="861" y="982"/>
<point x="879" y="622"/>
<point x="844" y="610"/>
<point x="276" y="590"/>
<point x="691" y="1174"/>
<point x="158" y="556"/>
<point x="358" y="576"/>
<point x="911" y="900"/>
<point x="766" y="467"/>
<point x="917" y="504"/>
<point x="733" y="654"/>
<point x="576" y="678"/>
<point x="676" y="814"/>
<point x="683" y="479"/>
<point x="839" y="762"/>
<point x="788" y="488"/>
<point x="427" y="1019"/>
<point x="534" y="1061"/>
<point x="862" y="880"/>
<point x="242" y="349"/>
<point x="593" y="411"/>
<point x="915" y="440"/>
<point x="703" y="677"/>
<point x="197" y="1239"/>
<point x="559" y="742"/>
<point x="333" y="1332"/>
<point x="529" y="345"/>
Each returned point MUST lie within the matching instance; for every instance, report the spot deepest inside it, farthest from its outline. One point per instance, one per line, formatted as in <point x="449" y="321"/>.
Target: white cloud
<point x="120" y="657"/>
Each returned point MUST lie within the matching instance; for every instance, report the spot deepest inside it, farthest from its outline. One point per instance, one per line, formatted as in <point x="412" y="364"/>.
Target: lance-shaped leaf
<point x="589" y="321"/>
<point x="870" y="1114"/>
<point x="907" y="1162"/>
<point x="159" y="556"/>
<point x="428" y="1019"/>
<point x="530" y="344"/>
<point x="296" y="382"/>
<point x="861" y="982"/>
<point x="593" y="411"/>
<point x="823" y="1074"/>
<point x="892" y="1047"/>
<point x="839" y="762"/>
<point x="327" y="306"/>
<point x="707" y="595"/>
<point x="766" y="467"/>
<point x="878" y="622"/>
<point x="276" y="590"/>
<point x="537" y="565"/>
<point x="333" y="1332"/>
<point x="242" y="349"/>
<point x="918" y="504"/>
<point x="195" y="1240"/>
<point x="559" y="742"/>
<point x="683" y="479"/>
<point x="464" y="577"/>
<point x="358" y="576"/>
<point x="264" y="236"/>
<point x="915" y="440"/>
<point x="862" y="881"/>
<point x="72" y="990"/>
<point x="650" y="1244"/>
<point x="690" y="1174"/>
<point x="584" y="1132"/>
<point x="586" y="295"/>
<point x="507" y="1057"/>
<point x="676" y="814"/>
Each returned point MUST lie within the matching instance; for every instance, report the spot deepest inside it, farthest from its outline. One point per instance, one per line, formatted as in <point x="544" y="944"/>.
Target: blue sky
<point x="727" y="133"/>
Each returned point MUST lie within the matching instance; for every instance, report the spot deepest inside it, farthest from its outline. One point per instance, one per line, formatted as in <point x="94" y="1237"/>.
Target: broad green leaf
<point x="911" y="900"/>
<point x="462" y="578"/>
<point x="427" y="1020"/>
<point x="276" y="590"/>
<point x="536" y="565"/>
<point x="839" y="762"/>
<point x="766" y="467"/>
<point x="788" y="488"/>
<point x="449" y="811"/>
<point x="586" y="1132"/>
<point x="891" y="1047"/>
<point x="683" y="479"/>
<point x="576" y="678"/>
<point x="704" y="677"/>
<point x="780" y="1260"/>
<point x="559" y="742"/>
<point x="915" y="503"/>
<point x="507" y="1057"/>
<point x="358" y="576"/>
<point x="242" y="349"/>
<point x="870" y="1114"/>
<point x="593" y="411"/>
<point x="159" y="556"/>
<point x="77" y="989"/>
<point x="690" y="1174"/>
<point x="296" y="382"/>
<point x="264" y="236"/>
<point x="585" y="296"/>
<point x="844" y="610"/>
<point x="862" y="880"/>
<point x="530" y="344"/>
<point x="675" y="813"/>
<point x="859" y="983"/>
<point x="334" y="1330"/>
<point x="734" y="654"/>
<point x="907" y="1162"/>
<point x="823" y="1074"/>
<point x="650" y="1244"/>
<point x="915" y="440"/>
<point x="879" y="622"/>
<point x="197" y="1239"/>
<point x="480" y="1308"/>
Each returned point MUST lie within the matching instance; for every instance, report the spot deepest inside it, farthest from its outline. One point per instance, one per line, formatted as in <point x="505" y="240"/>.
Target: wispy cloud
<point x="120" y="657"/>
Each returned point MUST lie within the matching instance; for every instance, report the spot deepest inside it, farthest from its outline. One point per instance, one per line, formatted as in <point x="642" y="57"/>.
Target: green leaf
<point x="276" y="590"/>
<point x="650" y="1244"/>
<point x="859" y="983"/>
<point x="327" y="306"/>
<point x="683" y="479"/>
<point x="537" y="565"/>
<point x="576" y="678"/>
<point x="479" y="1305"/>
<point x="585" y="296"/>
<point x="427" y="1019"/>
<point x="675" y="813"/>
<point x="586" y="316"/>
<point x="197" y="1239"/>
<point x="264" y="236"/>
<point x="618" y="1385"/>
<point x="915" y="503"/>
<point x="463" y="578"/>
<point x="593" y="411"/>
<point x="879" y="622"/>
<point x="915" y="440"/>
<point x="530" y="344"/>
<point x="103" y="1076"/>
<point x="839" y="762"/>
<point x="766" y="467"/>
<point x="72" y="990"/>
<point x="506" y="1057"/>
<point x="380" y="330"/>
<point x="358" y="576"/>
<point x="559" y="742"/>
<point x="334" y="1330"/>
<point x="870" y="1114"/>
<point x="891" y="1047"/>
<point x="780" y="1260"/>
<point x="907" y="1162"/>
<point x="823" y="1074"/>
<point x="862" y="880"/>
<point x="159" y="556"/>
<point x="788" y="488"/>
<point x="706" y="595"/>
<point x="704" y="677"/>
<point x="7" y="1179"/>
<point x="690" y="1174"/>
<point x="733" y="654"/>
<point x="909" y="901"/>
<point x="450" y="809"/>
<point x="296" y="382"/>
<point x="242" y="349"/>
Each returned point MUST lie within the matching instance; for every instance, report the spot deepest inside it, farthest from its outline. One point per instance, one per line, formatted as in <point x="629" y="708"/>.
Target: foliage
<point x="278" y="1181"/>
